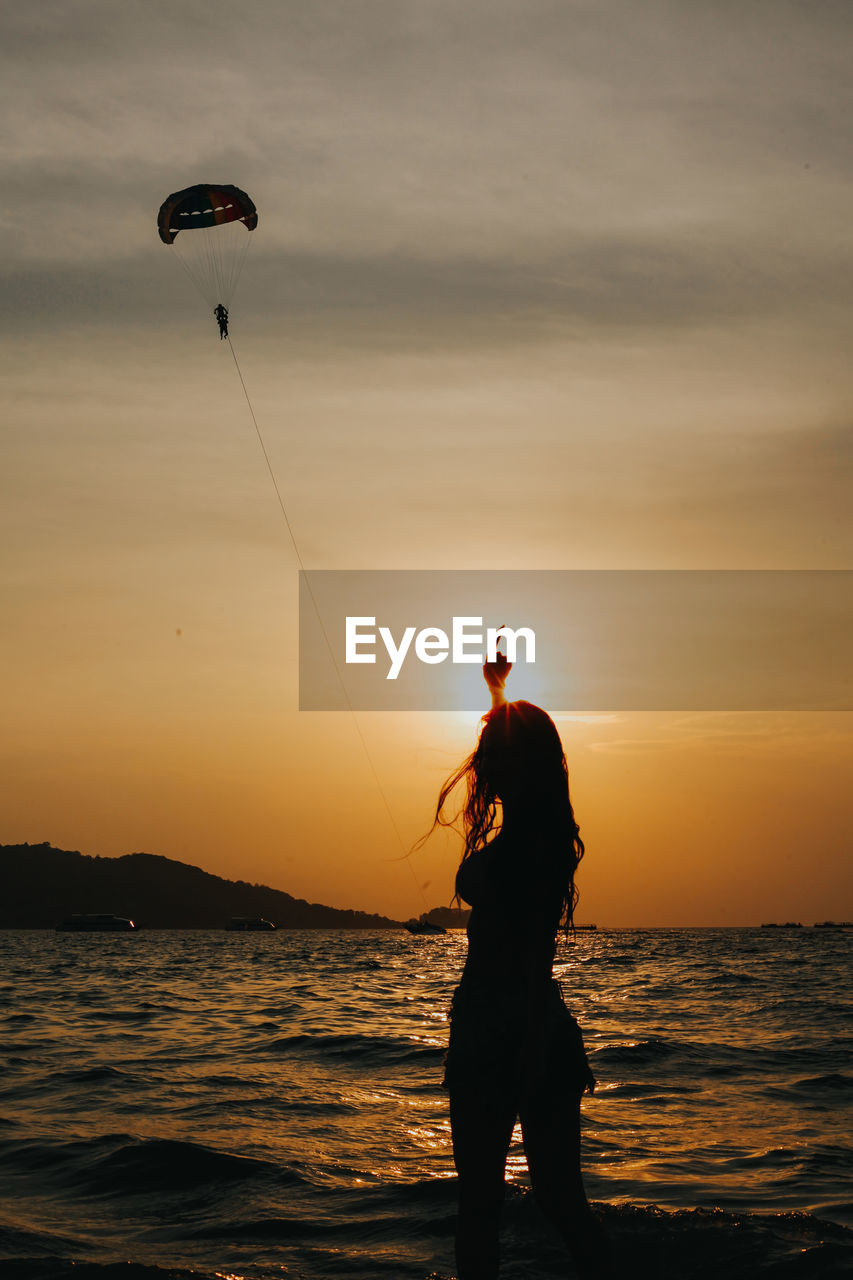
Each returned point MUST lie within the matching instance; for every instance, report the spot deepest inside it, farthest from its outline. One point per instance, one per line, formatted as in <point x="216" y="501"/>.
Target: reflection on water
<point x="259" y="1101"/>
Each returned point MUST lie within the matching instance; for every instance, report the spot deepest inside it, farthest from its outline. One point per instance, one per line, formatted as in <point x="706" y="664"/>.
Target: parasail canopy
<point x="202" y="206"/>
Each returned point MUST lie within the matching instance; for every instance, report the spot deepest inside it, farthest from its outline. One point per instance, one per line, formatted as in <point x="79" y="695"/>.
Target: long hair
<point x="519" y="755"/>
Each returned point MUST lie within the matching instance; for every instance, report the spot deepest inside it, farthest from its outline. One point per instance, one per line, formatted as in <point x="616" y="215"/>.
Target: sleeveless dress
<point x="510" y="1031"/>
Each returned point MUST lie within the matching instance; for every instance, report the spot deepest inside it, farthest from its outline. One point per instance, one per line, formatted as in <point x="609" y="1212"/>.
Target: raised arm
<point x="495" y="674"/>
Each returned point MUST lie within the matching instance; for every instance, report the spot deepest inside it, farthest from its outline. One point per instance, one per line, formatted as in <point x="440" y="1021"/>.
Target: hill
<point x="449" y="917"/>
<point x="39" y="885"/>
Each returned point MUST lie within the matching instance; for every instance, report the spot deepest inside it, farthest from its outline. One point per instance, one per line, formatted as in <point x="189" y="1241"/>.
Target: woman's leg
<point x="551" y="1129"/>
<point x="482" y="1131"/>
<point x="550" y="1122"/>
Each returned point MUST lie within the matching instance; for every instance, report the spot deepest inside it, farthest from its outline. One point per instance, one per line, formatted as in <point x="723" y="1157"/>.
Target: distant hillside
<point x="39" y="885"/>
<point x="449" y="917"/>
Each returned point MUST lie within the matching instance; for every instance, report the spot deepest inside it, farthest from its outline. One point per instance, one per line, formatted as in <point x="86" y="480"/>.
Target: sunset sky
<point x="537" y="284"/>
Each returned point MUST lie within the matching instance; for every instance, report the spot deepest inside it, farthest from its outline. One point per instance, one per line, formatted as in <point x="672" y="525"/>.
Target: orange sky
<point x="523" y="296"/>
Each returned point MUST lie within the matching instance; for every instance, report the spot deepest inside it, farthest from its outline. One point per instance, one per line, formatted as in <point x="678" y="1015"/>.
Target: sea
<point x="269" y="1105"/>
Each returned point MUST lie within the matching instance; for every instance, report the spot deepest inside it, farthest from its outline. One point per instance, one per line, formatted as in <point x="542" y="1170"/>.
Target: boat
<point x="834" y="924"/>
<point x="249" y="924"/>
<point x="100" y="923"/>
<point x="423" y="926"/>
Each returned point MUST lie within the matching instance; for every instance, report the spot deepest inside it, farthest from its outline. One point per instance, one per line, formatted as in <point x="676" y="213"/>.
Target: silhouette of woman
<point x="515" y="1051"/>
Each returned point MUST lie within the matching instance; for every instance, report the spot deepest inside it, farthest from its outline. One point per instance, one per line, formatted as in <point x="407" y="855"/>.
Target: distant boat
<point x="249" y="924"/>
<point x="585" y="926"/>
<point x="424" y="926"/>
<point x="834" y="924"/>
<point x="95" y="924"/>
<point x="789" y="924"/>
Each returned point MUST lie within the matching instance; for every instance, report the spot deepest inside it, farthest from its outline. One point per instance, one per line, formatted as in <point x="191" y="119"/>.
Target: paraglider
<point x="206" y="225"/>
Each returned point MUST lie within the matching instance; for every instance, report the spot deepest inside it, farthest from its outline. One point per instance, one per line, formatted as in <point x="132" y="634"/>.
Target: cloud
<point x="514" y="131"/>
<point x="729" y="732"/>
<point x="598" y="285"/>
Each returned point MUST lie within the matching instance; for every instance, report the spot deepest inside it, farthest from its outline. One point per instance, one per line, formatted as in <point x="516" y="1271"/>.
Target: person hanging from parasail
<point x="221" y="314"/>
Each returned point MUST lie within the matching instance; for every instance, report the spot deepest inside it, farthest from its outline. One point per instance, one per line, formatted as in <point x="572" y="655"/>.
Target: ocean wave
<point x="656" y="1091"/>
<point x="731" y="978"/>
<point x="836" y="1081"/>
<point x="380" y="1048"/>
<point x="143" y="1013"/>
<point x="253" y="1230"/>
<point x="17" y="1239"/>
<point x="118" y="1165"/>
<point x="155" y="1165"/>
<point x="94" y="1075"/>
<point x="650" y="1050"/>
